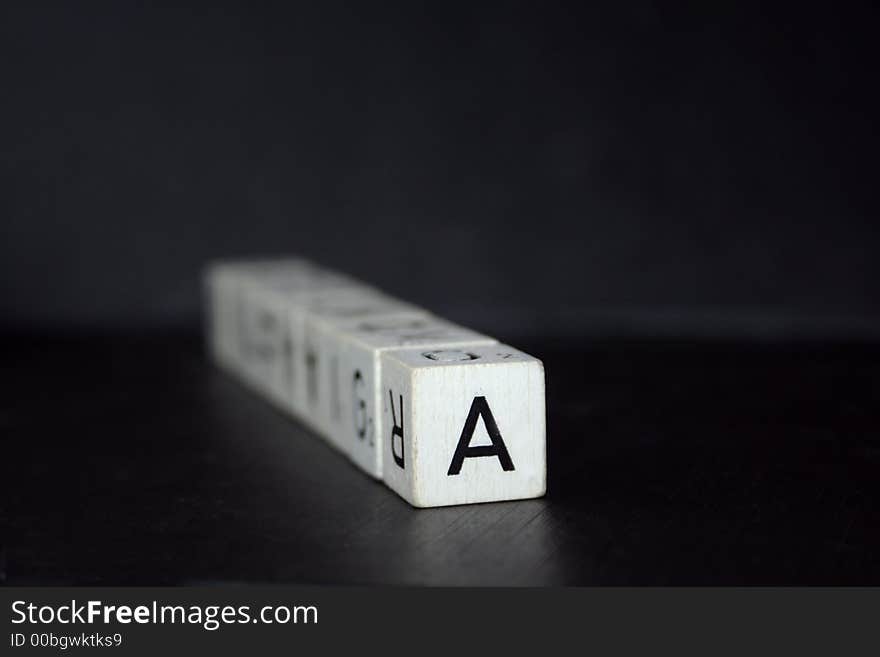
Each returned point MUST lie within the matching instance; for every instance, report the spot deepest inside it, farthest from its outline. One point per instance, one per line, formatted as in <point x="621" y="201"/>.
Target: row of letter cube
<point x="442" y="414"/>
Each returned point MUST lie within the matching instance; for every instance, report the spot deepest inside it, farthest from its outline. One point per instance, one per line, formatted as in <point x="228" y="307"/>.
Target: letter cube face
<point x="229" y="287"/>
<point x="320" y="388"/>
<point x="265" y="351"/>
<point x="224" y="283"/>
<point x="265" y="348"/>
<point x="463" y="425"/>
<point x="354" y="347"/>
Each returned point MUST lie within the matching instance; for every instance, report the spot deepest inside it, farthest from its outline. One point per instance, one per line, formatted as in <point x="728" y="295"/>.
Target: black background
<point x="524" y="168"/>
<point x="674" y="209"/>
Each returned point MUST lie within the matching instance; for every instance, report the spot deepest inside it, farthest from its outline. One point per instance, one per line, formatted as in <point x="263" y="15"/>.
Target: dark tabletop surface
<point x="132" y="460"/>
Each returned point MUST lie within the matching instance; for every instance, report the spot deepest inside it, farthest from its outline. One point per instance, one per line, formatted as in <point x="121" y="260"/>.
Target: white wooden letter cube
<point x="265" y="298"/>
<point x="228" y="318"/>
<point x="463" y="425"/>
<point x="320" y="395"/>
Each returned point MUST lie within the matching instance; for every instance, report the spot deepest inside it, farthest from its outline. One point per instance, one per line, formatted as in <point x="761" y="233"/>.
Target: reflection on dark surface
<point x="135" y="461"/>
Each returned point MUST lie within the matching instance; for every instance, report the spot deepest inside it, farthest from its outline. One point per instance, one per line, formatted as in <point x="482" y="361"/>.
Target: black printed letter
<point x="480" y="407"/>
<point x="312" y="374"/>
<point x="396" y="430"/>
<point x="360" y="405"/>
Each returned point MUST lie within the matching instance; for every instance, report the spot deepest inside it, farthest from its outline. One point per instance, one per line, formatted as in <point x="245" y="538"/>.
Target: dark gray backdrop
<point x="523" y="168"/>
